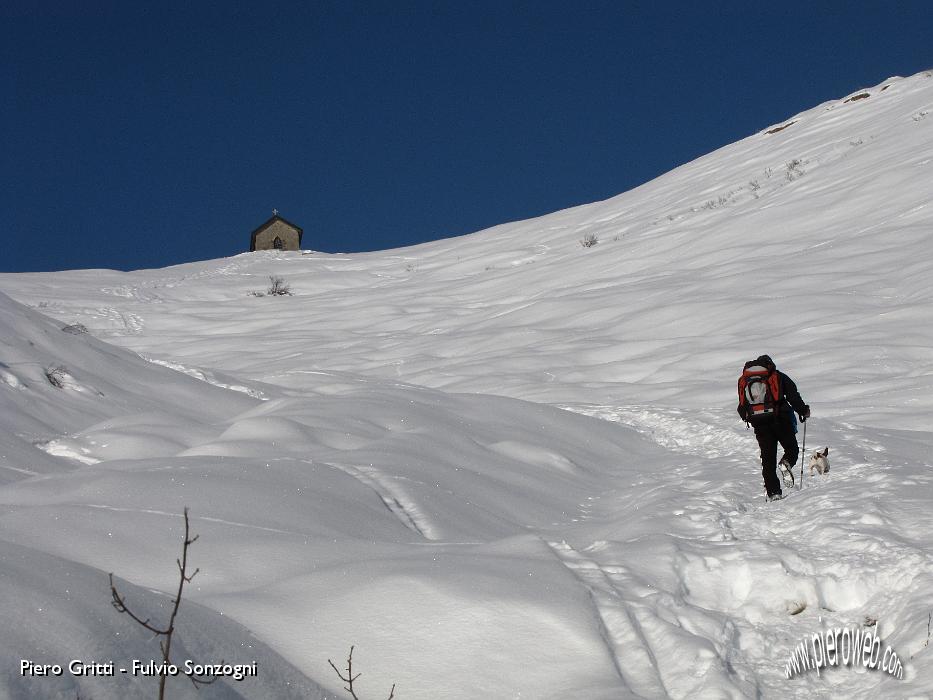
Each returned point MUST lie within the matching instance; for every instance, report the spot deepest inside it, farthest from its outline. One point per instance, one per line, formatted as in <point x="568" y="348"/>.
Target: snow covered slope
<point x="58" y="381"/>
<point x="508" y="465"/>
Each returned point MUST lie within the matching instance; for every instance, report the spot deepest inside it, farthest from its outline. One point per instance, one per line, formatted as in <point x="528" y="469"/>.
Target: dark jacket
<point x="791" y="397"/>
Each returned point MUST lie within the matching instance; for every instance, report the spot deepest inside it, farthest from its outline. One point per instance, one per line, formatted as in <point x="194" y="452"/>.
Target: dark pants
<point x="769" y="435"/>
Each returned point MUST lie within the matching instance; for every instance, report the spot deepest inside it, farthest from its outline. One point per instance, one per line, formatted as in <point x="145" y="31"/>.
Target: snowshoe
<point x="787" y="473"/>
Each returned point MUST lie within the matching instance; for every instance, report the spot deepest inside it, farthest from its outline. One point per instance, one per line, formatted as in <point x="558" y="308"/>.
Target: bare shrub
<point x="794" y="170"/>
<point x="278" y="286"/>
<point x="56" y="376"/>
<point x="589" y="240"/>
<point x="350" y="678"/>
<point x="119" y="604"/>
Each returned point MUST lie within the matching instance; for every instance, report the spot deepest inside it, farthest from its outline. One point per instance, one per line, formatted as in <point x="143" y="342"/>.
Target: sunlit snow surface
<point x="504" y="465"/>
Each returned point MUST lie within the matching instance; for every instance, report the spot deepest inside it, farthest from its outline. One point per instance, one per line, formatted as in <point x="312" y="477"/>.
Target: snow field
<point x="503" y="465"/>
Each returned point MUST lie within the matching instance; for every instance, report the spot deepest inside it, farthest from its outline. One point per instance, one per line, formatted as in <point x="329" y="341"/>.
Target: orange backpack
<point x="759" y="393"/>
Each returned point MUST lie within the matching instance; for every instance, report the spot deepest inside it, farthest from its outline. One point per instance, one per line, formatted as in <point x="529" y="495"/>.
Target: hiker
<point x="768" y="399"/>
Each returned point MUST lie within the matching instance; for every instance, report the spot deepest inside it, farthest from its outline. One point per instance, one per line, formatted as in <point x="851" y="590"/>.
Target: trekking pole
<point x="803" y="452"/>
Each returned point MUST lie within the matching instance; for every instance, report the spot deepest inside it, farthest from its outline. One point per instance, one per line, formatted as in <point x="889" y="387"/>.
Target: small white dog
<point x="819" y="461"/>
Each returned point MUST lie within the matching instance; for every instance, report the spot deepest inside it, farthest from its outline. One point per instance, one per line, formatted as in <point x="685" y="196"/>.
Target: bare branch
<point x="165" y="645"/>
<point x="119" y="603"/>
<point x="350" y="678"/>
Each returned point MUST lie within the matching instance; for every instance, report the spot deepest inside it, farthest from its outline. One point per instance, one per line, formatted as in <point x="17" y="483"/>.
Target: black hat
<point x="765" y="361"/>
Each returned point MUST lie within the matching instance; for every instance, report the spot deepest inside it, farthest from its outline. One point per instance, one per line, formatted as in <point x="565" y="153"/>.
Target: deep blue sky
<point x="138" y="135"/>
